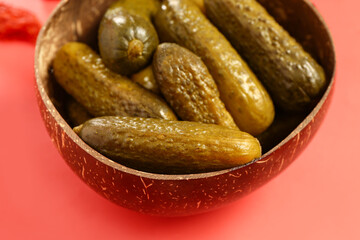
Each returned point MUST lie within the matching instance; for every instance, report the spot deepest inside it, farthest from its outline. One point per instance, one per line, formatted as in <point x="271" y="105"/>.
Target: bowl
<point x="173" y="195"/>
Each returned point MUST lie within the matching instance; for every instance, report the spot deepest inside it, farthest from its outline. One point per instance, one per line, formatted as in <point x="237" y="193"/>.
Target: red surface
<point x="317" y="197"/>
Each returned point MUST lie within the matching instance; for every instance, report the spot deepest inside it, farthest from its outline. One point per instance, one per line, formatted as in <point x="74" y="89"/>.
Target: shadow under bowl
<point x="173" y="195"/>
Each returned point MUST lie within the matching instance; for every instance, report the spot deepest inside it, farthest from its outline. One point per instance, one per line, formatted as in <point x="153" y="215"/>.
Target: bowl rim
<point x="50" y="107"/>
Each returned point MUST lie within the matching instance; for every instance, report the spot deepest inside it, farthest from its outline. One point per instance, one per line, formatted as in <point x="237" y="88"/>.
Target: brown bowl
<point x="172" y="195"/>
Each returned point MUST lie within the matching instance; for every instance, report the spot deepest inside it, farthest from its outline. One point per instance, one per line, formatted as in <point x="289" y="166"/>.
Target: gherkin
<point x="188" y="87"/>
<point x="182" y="22"/>
<point x="293" y="78"/>
<point x="81" y="72"/>
<point x="169" y="147"/>
<point x="126" y="37"/>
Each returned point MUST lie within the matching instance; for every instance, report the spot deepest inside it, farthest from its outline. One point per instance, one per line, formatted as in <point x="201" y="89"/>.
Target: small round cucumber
<point x="127" y="41"/>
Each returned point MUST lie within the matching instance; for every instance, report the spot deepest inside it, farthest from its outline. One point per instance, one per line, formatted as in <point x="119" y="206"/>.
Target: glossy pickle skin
<point x="146" y="79"/>
<point x="144" y="8"/>
<point x="81" y="72"/>
<point x="294" y="79"/>
<point x="118" y="30"/>
<point x="169" y="147"/>
<point x="243" y="94"/>
<point x="188" y="87"/>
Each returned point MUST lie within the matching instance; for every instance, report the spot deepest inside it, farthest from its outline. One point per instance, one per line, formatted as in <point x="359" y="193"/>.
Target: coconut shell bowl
<point x="174" y="195"/>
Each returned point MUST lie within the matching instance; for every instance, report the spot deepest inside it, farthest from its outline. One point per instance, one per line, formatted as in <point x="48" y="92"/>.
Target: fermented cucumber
<point x="127" y="39"/>
<point x="188" y="87"/>
<point x="169" y="147"/>
<point x="81" y="72"/>
<point x="294" y="79"/>
<point x="182" y="22"/>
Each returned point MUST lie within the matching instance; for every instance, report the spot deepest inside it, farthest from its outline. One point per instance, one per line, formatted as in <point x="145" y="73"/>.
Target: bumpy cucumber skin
<point x="118" y="29"/>
<point x="81" y="72"/>
<point x="294" y="79"/>
<point x="188" y="87"/>
<point x="243" y="94"/>
<point x="169" y="147"/>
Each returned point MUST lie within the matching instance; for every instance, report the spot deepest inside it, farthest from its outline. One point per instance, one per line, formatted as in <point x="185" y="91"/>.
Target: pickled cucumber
<point x="160" y="146"/>
<point x="294" y="79"/>
<point x="81" y="72"/>
<point x="188" y="87"/>
<point x="182" y="22"/>
<point x="126" y="40"/>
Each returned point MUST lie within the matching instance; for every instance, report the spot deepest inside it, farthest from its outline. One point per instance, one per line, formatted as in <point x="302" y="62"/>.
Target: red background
<point x="317" y="197"/>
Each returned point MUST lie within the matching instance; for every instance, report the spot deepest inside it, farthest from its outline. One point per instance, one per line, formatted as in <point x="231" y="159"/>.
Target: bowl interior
<point x="75" y="20"/>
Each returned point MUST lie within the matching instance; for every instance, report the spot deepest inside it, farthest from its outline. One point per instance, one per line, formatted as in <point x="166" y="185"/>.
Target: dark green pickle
<point x="169" y="147"/>
<point x="127" y="39"/>
<point x="293" y="78"/>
